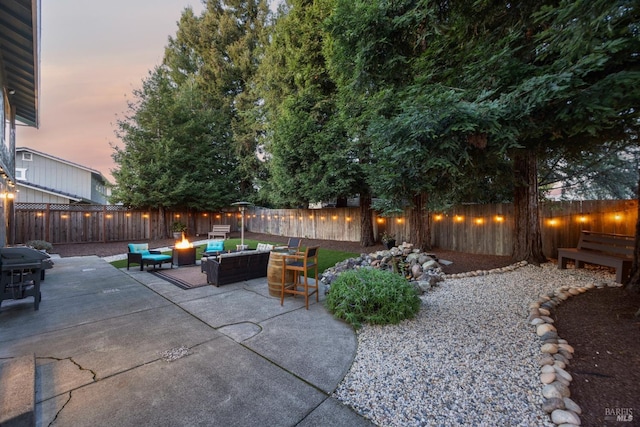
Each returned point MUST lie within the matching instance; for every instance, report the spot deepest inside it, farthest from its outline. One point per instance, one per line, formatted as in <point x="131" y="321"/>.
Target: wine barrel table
<point x="274" y="273"/>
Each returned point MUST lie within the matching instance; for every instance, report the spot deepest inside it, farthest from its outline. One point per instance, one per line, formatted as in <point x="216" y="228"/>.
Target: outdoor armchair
<point x="139" y="253"/>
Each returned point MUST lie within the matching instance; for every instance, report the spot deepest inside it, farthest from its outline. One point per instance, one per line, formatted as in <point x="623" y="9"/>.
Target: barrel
<point x="274" y="274"/>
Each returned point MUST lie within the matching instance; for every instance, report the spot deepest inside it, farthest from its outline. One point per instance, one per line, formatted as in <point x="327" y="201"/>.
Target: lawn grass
<point x="326" y="257"/>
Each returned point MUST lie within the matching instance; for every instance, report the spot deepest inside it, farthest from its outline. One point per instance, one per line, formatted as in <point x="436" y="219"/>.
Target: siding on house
<point x="19" y="88"/>
<point x="43" y="178"/>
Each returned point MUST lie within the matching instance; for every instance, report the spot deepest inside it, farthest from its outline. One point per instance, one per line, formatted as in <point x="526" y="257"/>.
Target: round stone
<point x="544" y="311"/>
<point x="571" y="405"/>
<point x="543" y="329"/>
<point x="550" y="405"/>
<point x="566" y="347"/>
<point x="574" y="291"/>
<point x="547" y="378"/>
<point x="564" y="374"/>
<point x="561" y="416"/>
<point x="551" y="335"/>
<point x="560" y="358"/>
<point x="562" y="380"/>
<point x="547" y="360"/>
<point x="565" y="353"/>
<point x="549" y="348"/>
<point x="547" y="319"/>
<point x="536" y="321"/>
<point x="562" y="388"/>
<point x="550" y="391"/>
<point x="559" y="364"/>
<point x="548" y="369"/>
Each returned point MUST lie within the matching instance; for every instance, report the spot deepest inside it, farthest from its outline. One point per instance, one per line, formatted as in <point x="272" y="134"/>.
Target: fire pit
<point x="183" y="253"/>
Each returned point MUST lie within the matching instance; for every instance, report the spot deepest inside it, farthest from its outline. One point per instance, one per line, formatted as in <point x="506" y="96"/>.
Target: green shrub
<point x="372" y="296"/>
<point x="40" y="245"/>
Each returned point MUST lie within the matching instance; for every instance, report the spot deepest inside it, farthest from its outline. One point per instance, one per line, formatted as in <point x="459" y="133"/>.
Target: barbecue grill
<point x="21" y="270"/>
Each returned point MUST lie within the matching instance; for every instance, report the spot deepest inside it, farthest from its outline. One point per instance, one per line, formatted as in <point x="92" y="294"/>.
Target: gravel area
<point x="470" y="357"/>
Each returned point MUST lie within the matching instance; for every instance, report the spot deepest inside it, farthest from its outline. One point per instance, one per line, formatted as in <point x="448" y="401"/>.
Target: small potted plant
<point x="178" y="228"/>
<point x="388" y="240"/>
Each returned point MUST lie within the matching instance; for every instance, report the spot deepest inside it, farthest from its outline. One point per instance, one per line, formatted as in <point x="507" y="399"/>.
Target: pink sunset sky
<point x="92" y="57"/>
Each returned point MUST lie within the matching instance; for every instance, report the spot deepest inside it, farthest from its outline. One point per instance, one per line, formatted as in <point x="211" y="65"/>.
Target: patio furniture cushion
<point x="214" y="246"/>
<point x="264" y="247"/>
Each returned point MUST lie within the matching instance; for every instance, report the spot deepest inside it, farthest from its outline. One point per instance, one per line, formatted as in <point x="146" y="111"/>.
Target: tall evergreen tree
<point x="219" y="52"/>
<point x="170" y="158"/>
<point x="311" y="156"/>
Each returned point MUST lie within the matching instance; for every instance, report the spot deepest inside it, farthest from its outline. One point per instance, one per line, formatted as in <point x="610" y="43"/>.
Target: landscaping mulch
<point x="599" y="324"/>
<point x="602" y="328"/>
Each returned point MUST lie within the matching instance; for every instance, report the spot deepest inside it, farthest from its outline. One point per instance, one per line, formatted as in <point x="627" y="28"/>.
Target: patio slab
<point x="101" y="335"/>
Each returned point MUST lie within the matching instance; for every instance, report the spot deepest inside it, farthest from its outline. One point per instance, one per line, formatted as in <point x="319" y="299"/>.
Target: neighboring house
<point x="19" y="93"/>
<point x="43" y="178"/>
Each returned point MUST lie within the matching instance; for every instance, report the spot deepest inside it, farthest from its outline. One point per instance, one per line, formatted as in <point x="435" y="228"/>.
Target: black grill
<point x="21" y="270"/>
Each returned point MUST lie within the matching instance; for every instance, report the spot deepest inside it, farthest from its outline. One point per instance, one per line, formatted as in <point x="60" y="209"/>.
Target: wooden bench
<point x="611" y="250"/>
<point x="220" y="231"/>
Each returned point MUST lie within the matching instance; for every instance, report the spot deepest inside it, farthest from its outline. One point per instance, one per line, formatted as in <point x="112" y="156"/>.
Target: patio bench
<point x="610" y="250"/>
<point x="219" y="231"/>
<point x="139" y="253"/>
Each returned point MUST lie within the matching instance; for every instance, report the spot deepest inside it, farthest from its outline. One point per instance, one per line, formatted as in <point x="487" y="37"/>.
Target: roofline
<point x="40" y="153"/>
<point x="43" y="190"/>
<point x="20" y="24"/>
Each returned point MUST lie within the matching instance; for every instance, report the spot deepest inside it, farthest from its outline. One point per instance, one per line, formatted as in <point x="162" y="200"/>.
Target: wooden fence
<point x="58" y="223"/>
<point x="481" y="229"/>
<point x="489" y="229"/>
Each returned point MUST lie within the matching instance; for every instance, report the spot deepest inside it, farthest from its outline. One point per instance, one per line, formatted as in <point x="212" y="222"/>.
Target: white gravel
<point x="470" y="357"/>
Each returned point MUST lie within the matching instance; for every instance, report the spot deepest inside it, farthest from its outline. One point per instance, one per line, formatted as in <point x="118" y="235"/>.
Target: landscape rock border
<point x="557" y="353"/>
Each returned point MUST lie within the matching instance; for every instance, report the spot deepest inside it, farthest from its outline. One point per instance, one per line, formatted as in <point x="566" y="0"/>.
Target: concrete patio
<point x="117" y="347"/>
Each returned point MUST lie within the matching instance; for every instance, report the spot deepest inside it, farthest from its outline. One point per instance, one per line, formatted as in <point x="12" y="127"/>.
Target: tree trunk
<point x="633" y="284"/>
<point x="527" y="244"/>
<point x="366" y="224"/>
<point x="162" y="232"/>
<point x="420" y="232"/>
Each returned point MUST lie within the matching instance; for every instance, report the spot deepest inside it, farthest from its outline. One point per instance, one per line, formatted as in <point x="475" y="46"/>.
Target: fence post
<point x="47" y="222"/>
<point x="104" y="224"/>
